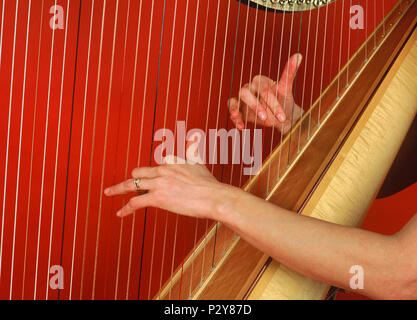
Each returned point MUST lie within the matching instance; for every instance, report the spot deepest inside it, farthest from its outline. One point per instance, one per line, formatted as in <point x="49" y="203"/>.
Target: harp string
<point x="32" y="148"/>
<point x="81" y="150"/>
<point x="348" y="51"/>
<point x="276" y="92"/>
<point x="186" y="124"/>
<point x="295" y="82"/>
<point x="314" y="74"/>
<point x="175" y="133"/>
<point x="105" y="151"/>
<point x="57" y="147"/>
<point x="92" y="152"/>
<point x="218" y="114"/>
<point x="164" y="128"/>
<point x="44" y="158"/>
<point x="322" y="61"/>
<point x="1" y="32"/>
<point x="127" y="155"/>
<point x="8" y="137"/>
<point x="132" y="99"/>
<point x="207" y="121"/>
<point x="286" y="89"/>
<point x="198" y="104"/>
<point x="303" y="94"/>
<point x="20" y="149"/>
<point x="153" y="131"/>
<point x="375" y="41"/>
<point x="340" y="50"/>
<point x="195" y="121"/>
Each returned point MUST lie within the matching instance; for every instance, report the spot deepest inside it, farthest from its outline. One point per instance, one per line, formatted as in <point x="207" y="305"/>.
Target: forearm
<point x="317" y="249"/>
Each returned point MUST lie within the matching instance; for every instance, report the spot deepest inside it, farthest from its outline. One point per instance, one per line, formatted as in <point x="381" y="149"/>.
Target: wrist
<point x="226" y="202"/>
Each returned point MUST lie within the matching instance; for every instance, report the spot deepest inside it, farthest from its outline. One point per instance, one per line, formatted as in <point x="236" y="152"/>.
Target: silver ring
<point x="136" y="182"/>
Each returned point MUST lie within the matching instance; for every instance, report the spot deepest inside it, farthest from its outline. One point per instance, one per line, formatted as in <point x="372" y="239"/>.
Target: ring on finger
<point x="136" y="182"/>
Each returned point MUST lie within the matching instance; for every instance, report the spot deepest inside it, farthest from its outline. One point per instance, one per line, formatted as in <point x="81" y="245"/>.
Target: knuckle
<point x="135" y="172"/>
<point x="131" y="204"/>
<point x="257" y="78"/>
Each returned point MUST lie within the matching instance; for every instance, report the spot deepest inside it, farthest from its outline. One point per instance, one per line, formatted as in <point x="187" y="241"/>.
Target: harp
<point x="87" y="85"/>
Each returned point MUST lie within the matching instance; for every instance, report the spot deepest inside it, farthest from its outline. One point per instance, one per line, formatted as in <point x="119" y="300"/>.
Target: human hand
<point x="176" y="186"/>
<point x="267" y="102"/>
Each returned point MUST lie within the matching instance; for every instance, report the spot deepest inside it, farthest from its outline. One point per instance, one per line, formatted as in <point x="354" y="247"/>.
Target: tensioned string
<point x="294" y="88"/>
<point x="44" y="159"/>
<point x="186" y="129"/>
<point x="250" y="79"/>
<point x="186" y="118"/>
<point x="218" y="110"/>
<point x="259" y="83"/>
<point x="152" y="141"/>
<point x="227" y="118"/>
<point x="348" y="51"/>
<point x="276" y="91"/>
<point x="203" y="55"/>
<point x="32" y="149"/>
<point x="128" y="144"/>
<point x="207" y="117"/>
<point x="103" y="168"/>
<point x="70" y="139"/>
<point x="286" y="92"/>
<point x="92" y="149"/>
<point x="340" y="49"/>
<point x="164" y="127"/>
<point x="305" y="73"/>
<point x="20" y="149"/>
<point x="81" y="150"/>
<point x="128" y="148"/>
<point x="57" y="146"/>
<point x="175" y="133"/>
<point x="1" y="31"/>
<point x="8" y="135"/>
<point x="323" y="62"/>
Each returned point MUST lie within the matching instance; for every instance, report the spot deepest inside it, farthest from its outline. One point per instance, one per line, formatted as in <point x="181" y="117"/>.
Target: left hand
<point x="187" y="189"/>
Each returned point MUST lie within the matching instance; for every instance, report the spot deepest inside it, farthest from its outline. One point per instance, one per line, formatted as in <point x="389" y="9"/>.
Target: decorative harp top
<point x="292" y="5"/>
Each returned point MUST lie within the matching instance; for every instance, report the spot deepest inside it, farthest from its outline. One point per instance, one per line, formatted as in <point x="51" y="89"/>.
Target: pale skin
<point x="314" y="248"/>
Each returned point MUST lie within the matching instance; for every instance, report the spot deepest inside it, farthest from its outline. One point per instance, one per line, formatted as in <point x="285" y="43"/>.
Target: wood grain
<point x="352" y="182"/>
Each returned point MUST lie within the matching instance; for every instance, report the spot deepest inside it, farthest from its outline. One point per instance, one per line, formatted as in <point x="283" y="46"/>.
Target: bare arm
<point x="325" y="251"/>
<point x="317" y="249"/>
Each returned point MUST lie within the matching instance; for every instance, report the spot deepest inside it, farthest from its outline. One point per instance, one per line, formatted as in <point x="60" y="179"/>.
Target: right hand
<point x="268" y="103"/>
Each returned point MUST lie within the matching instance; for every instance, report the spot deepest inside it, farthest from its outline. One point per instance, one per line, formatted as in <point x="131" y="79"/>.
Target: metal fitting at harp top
<point x="291" y="5"/>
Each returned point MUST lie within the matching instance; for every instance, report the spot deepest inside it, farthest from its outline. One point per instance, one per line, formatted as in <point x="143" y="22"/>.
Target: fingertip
<point x="262" y="115"/>
<point x="107" y="191"/>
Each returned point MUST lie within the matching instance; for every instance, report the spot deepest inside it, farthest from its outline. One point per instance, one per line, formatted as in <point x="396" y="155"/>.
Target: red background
<point x="85" y="122"/>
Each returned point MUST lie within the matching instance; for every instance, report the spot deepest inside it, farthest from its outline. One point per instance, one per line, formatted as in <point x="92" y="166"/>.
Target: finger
<point x="265" y="88"/>
<point x="145" y="172"/>
<point x="290" y="71"/>
<point x="251" y="100"/>
<point x="136" y="203"/>
<point x="236" y="114"/>
<point x="171" y="159"/>
<point x="129" y="186"/>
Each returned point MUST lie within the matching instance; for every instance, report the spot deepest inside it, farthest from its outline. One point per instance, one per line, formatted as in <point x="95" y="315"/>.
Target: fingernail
<point x="262" y="115"/>
<point x="281" y="117"/>
<point x="119" y="213"/>
<point x="107" y="191"/>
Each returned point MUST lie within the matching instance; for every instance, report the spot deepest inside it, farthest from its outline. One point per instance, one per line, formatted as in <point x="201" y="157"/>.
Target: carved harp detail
<point x="92" y="89"/>
<point x="292" y="5"/>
